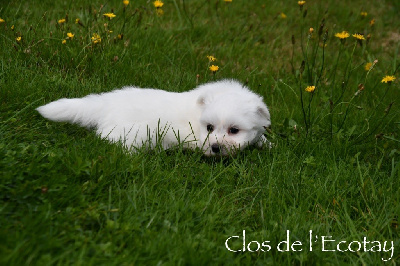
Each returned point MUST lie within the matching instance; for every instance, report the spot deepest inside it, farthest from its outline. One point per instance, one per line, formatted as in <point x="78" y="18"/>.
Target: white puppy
<point x="219" y="117"/>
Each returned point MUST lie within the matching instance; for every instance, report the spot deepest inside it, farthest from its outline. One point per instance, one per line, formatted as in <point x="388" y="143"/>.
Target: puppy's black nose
<point x="216" y="148"/>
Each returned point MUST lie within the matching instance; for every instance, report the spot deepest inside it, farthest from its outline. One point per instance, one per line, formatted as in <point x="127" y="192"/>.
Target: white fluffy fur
<point x="202" y="117"/>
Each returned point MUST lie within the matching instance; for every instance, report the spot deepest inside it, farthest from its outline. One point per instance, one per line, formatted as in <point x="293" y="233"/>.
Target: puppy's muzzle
<point x="216" y="148"/>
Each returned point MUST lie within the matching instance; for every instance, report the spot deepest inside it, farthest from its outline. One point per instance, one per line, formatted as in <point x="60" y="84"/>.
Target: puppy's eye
<point x="210" y="128"/>
<point x="233" y="130"/>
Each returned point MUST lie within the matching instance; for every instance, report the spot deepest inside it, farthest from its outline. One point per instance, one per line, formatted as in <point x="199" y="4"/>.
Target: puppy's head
<point x="232" y="118"/>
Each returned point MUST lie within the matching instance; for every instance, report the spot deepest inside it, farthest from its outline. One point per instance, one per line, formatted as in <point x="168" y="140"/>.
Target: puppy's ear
<point x="262" y="111"/>
<point x="201" y="100"/>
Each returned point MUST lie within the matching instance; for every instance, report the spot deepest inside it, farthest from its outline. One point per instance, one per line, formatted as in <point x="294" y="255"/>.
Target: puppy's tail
<point x="83" y="111"/>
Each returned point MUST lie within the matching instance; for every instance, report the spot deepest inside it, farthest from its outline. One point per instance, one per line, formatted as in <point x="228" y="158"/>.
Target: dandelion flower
<point x="126" y="3"/>
<point x="364" y="14"/>
<point x="310" y="33"/>
<point x="283" y="15"/>
<point x="388" y="79"/>
<point x="78" y="21"/>
<point x="96" y="38"/>
<point x="12" y="27"/>
<point x="213" y="68"/>
<point x="368" y="66"/>
<point x="61" y="21"/>
<point x="342" y="35"/>
<point x="301" y="3"/>
<point x="18" y="39"/>
<point x="64" y="41"/>
<point x="310" y="89"/>
<point x="211" y="58"/>
<point x="2" y="20"/>
<point x="70" y="35"/>
<point x="158" y="4"/>
<point x="358" y="36"/>
<point x="109" y="15"/>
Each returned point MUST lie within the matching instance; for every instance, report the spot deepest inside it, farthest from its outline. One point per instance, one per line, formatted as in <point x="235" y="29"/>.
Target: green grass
<point x="69" y="197"/>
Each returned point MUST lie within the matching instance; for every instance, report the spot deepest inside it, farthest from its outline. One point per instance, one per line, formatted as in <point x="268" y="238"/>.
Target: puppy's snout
<point x="216" y="148"/>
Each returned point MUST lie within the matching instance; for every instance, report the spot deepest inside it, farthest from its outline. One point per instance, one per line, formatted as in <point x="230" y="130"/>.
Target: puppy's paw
<point x="263" y="142"/>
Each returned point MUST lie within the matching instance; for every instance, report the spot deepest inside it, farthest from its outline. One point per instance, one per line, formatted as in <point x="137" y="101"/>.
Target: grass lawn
<point x="330" y="186"/>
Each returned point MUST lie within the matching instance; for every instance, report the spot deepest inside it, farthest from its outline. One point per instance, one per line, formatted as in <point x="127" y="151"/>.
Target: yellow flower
<point x="158" y="4"/>
<point x="372" y="22"/>
<point x="301" y="3"/>
<point x="78" y="21"/>
<point x="364" y="14"/>
<point x="96" y="38"/>
<point x="12" y="27"/>
<point x="64" y="41"/>
<point x="18" y="39"/>
<point x="342" y="35"/>
<point x="368" y="66"/>
<point x="61" y="21"/>
<point x="311" y="30"/>
<point x="120" y="36"/>
<point x="2" y="20"/>
<point x="228" y="1"/>
<point x="211" y="58"/>
<point x="214" y="68"/>
<point x="310" y="89"/>
<point x="358" y="36"/>
<point x="283" y="15"/>
<point x="126" y="3"/>
<point x="388" y="79"/>
<point x="109" y="15"/>
<point x="70" y="35"/>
